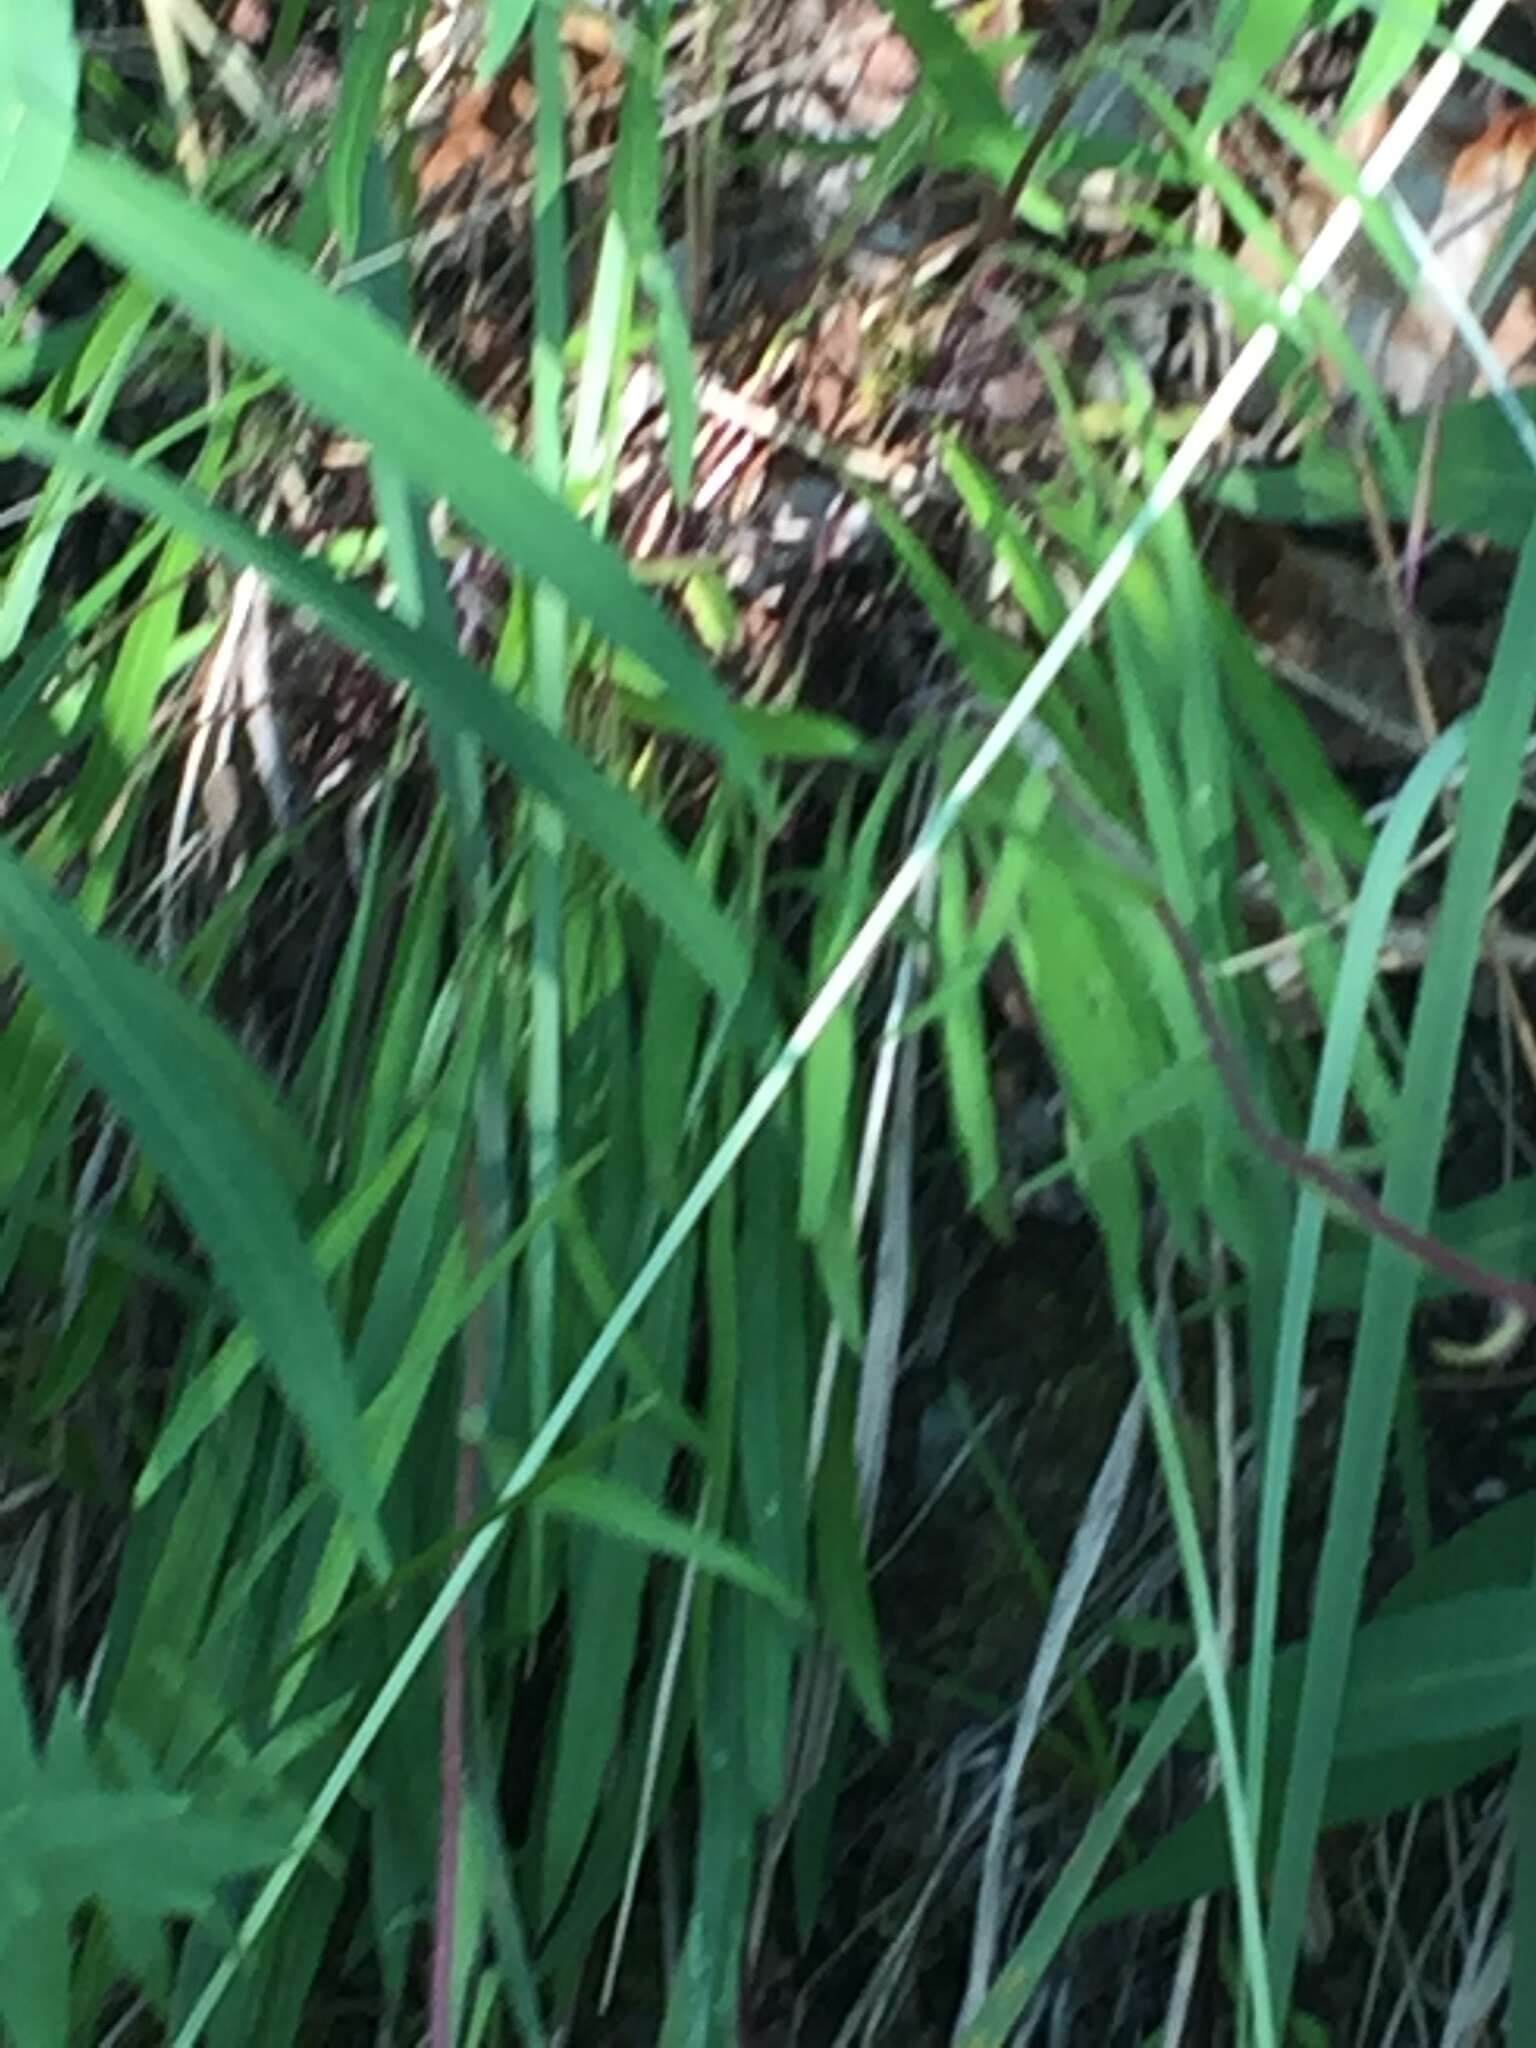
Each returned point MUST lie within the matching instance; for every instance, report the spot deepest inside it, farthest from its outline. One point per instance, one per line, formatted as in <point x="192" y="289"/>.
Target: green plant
<point x="454" y="1328"/>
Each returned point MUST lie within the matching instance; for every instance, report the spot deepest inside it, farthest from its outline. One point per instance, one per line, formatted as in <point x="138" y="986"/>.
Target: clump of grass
<point x="456" y="1401"/>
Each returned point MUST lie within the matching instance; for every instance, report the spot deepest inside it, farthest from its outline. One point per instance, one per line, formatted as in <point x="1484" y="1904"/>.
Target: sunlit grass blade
<point x="1397" y="37"/>
<point x="595" y="809"/>
<point x="1260" y="32"/>
<point x="350" y="366"/>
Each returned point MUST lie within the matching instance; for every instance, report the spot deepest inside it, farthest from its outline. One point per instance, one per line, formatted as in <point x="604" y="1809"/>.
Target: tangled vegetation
<point x="768" y="1211"/>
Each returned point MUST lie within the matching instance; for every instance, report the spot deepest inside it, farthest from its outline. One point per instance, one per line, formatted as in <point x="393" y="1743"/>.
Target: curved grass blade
<point x="1495" y="753"/>
<point x="352" y="367"/>
<point x="181" y="1087"/>
<point x="39" y="78"/>
<point x="606" y="817"/>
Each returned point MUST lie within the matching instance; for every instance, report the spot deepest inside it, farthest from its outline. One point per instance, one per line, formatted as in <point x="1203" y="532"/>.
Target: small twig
<point x="1467" y="1274"/>
<point x="998" y="215"/>
<point x="1399" y="578"/>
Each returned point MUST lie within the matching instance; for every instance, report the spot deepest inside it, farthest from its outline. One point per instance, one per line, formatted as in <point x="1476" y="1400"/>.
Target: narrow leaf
<point x="168" y="1073"/>
<point x="631" y="1517"/>
<point x="353" y="367"/>
<point x="608" y="818"/>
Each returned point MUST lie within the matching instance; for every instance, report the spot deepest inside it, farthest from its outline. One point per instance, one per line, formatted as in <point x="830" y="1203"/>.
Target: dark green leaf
<point x="170" y="1075"/>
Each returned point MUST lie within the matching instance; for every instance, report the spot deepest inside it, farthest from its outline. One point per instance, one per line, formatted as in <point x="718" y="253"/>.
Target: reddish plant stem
<point x="1469" y="1275"/>
<point x="455" y="1650"/>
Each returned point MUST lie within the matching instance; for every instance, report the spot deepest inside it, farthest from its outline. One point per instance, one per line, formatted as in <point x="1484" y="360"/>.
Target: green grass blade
<point x="115" y="336"/>
<point x="1500" y="729"/>
<point x="351" y="367"/>
<point x="355" y="125"/>
<point x="631" y="1516"/>
<point x="183" y="1088"/>
<point x="1259" y="1999"/>
<point x="973" y="1114"/>
<point x="1261" y="31"/>
<point x="551" y="663"/>
<point x="1396" y="40"/>
<point x="1346" y="1023"/>
<point x="504" y="25"/>
<point x="39" y="78"/>
<point x="639" y="208"/>
<point x="205" y="1399"/>
<point x="608" y="818"/>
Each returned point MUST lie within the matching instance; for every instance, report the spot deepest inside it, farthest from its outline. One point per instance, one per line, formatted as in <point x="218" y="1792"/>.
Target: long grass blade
<point x="350" y="366"/>
<point x="607" y="817"/>
<point x="185" y="1092"/>
<point x="1495" y="750"/>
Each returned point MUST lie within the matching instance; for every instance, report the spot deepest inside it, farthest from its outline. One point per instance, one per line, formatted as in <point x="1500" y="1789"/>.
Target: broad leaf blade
<point x="39" y="78"/>
<point x="1438" y="1674"/>
<point x="1479" y="483"/>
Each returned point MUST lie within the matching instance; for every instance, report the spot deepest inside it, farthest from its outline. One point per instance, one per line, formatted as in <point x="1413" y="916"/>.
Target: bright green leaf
<point x="39" y="78"/>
